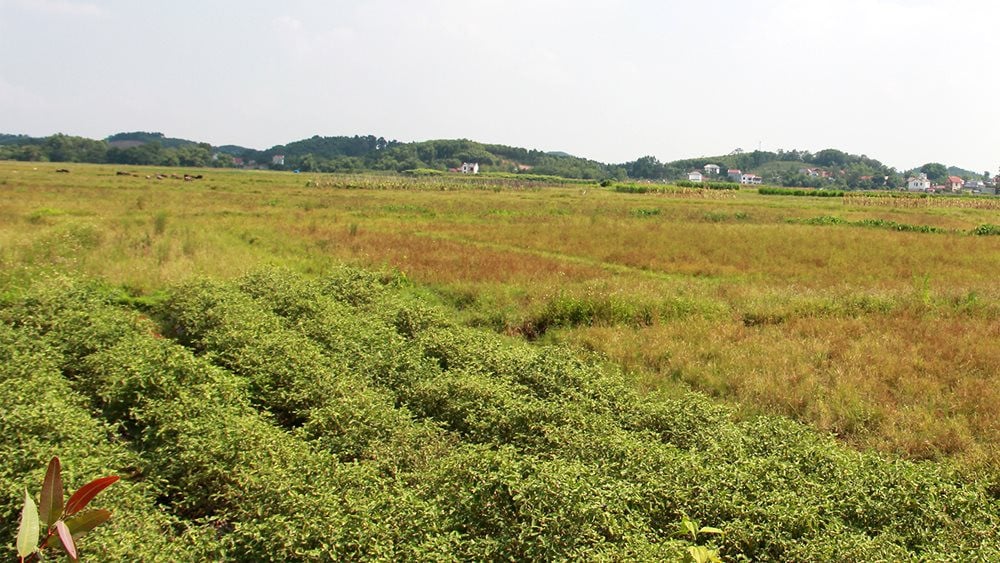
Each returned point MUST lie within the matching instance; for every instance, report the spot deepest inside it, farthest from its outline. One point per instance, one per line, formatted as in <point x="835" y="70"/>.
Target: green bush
<point x="293" y="418"/>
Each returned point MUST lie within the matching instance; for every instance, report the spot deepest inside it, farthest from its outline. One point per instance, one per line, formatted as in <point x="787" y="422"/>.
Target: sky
<point x="903" y="81"/>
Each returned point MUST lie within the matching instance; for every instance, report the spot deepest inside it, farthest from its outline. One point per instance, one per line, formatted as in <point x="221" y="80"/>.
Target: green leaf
<point x="86" y="493"/>
<point x="710" y="530"/>
<point x="66" y="537"/>
<point x="50" y="503"/>
<point x="690" y="527"/>
<point x="27" y="534"/>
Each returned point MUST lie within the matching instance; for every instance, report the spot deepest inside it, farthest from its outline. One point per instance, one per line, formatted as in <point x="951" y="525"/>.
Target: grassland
<point x="883" y="337"/>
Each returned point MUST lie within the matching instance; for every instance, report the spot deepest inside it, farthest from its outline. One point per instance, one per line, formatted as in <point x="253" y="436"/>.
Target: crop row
<point x="285" y="417"/>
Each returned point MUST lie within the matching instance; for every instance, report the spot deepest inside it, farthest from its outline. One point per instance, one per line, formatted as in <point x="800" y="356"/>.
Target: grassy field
<point x="883" y="337"/>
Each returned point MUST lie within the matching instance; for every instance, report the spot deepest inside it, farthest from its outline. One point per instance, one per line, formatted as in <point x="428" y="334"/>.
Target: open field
<point x="266" y="400"/>
<point x="884" y="338"/>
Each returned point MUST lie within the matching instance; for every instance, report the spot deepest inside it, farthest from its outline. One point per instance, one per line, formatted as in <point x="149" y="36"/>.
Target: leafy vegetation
<point x="800" y="192"/>
<point x="340" y="417"/>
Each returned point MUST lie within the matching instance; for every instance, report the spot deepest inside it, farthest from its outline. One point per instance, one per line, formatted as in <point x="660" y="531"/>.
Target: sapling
<point x="63" y="523"/>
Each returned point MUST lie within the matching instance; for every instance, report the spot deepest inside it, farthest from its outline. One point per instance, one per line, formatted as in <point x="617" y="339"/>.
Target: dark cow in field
<point x="63" y="171"/>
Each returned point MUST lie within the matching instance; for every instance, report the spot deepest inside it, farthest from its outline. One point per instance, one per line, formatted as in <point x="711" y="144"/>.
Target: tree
<point x="936" y="172"/>
<point x="645" y="167"/>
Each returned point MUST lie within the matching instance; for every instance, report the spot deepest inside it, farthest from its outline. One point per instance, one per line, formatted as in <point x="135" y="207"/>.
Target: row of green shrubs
<point x="985" y="229"/>
<point x="800" y="192"/>
<point x="280" y="417"/>
<point x="871" y="223"/>
<point x="710" y="185"/>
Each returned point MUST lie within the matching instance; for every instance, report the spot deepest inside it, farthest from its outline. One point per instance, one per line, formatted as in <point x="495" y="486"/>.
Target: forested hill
<point x="358" y="153"/>
<point x="831" y="167"/>
<point x="345" y="154"/>
<point x="316" y="154"/>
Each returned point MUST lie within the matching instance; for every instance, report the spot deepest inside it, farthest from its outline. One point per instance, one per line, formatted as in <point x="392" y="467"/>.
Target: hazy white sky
<point x="903" y="81"/>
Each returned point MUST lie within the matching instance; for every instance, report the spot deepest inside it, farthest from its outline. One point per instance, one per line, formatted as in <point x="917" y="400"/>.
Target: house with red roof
<point x="954" y="183"/>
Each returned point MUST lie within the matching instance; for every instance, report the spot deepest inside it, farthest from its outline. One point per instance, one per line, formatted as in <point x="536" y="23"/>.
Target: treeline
<point x="67" y="148"/>
<point x="845" y="171"/>
<point x="328" y="154"/>
<point x="360" y="153"/>
<point x="356" y="153"/>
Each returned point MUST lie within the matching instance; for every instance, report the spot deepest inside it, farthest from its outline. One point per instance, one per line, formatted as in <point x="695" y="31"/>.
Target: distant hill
<point x="138" y="138"/>
<point x="359" y="153"/>
<point x="967" y="174"/>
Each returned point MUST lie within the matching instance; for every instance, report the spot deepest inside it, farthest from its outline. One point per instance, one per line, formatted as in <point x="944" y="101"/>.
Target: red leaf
<point x="81" y="524"/>
<point x="50" y="504"/>
<point x="86" y="493"/>
<point x="67" y="540"/>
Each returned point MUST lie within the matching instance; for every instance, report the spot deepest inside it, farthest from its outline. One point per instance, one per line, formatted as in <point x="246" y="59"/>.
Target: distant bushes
<point x="800" y="192"/>
<point x="982" y="230"/>
<point x="685" y="184"/>
<point x="987" y="229"/>
<point x="422" y="172"/>
<point x="711" y="185"/>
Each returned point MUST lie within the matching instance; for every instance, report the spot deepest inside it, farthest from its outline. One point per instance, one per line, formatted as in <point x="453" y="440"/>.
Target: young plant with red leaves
<point x="64" y="523"/>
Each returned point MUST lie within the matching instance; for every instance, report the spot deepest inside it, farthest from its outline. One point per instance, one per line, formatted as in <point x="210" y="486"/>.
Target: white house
<point x="694" y="176"/>
<point x="918" y="183"/>
<point x="470" y="168"/>
<point x="734" y="174"/>
<point x="712" y="169"/>
<point x="750" y="179"/>
<point x="278" y="160"/>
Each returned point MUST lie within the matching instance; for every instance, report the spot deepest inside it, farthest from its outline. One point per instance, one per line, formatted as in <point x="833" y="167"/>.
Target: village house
<point x="694" y="176"/>
<point x="470" y="168"/>
<point x="278" y="160"/>
<point x="752" y="179"/>
<point x="954" y="183"/>
<point x="734" y="174"/>
<point x="974" y="185"/>
<point x="918" y="183"/>
<point x="712" y="169"/>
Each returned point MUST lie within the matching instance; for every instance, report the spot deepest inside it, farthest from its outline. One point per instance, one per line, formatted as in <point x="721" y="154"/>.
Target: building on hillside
<point x="734" y="174"/>
<point x="694" y="176"/>
<point x="918" y="183"/>
<point x="974" y="185"/>
<point x="954" y="183"/>
<point x="751" y="179"/>
<point x="470" y="168"/>
<point x="278" y="160"/>
<point x="712" y="169"/>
